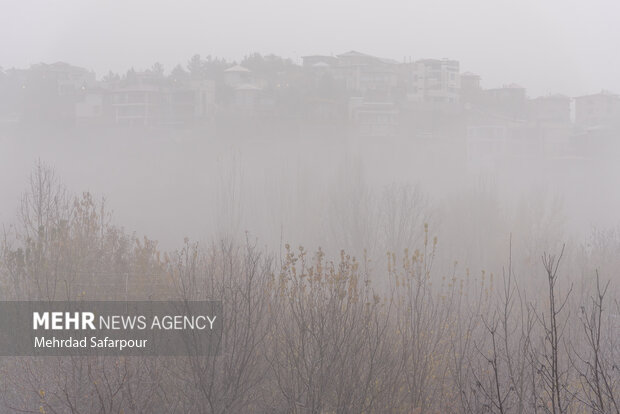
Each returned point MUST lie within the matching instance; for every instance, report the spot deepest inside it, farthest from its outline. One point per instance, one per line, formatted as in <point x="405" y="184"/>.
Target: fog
<point x="320" y="189"/>
<point x="400" y="180"/>
<point x="552" y="47"/>
<point x="302" y="156"/>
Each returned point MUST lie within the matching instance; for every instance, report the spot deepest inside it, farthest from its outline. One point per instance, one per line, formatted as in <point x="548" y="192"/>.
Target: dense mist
<point x="322" y="188"/>
<point x="398" y="208"/>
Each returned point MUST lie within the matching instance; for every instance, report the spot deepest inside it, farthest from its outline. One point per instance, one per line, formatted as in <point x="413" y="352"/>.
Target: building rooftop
<point x="555" y="96"/>
<point x="513" y="86"/>
<point x="603" y="93"/>
<point x="237" y="68"/>
<point x="59" y="66"/>
<point x="355" y="53"/>
<point x="318" y="57"/>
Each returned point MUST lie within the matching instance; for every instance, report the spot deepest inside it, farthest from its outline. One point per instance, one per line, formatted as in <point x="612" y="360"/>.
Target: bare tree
<point x="229" y="380"/>
<point x="550" y="360"/>
<point x="598" y="373"/>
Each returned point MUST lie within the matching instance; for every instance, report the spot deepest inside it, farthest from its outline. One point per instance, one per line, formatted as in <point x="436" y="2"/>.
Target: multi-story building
<point x="494" y="142"/>
<point x="471" y="91"/>
<point x="509" y="101"/>
<point x="247" y="99"/>
<point x="237" y="75"/>
<point x="90" y="108"/>
<point x="600" y="109"/>
<point x="162" y="104"/>
<point x="364" y="74"/>
<point x="433" y="81"/>
<point x="47" y="93"/>
<point x="550" y="109"/>
<point x="136" y="104"/>
<point x="68" y="79"/>
<point x="377" y="119"/>
<point x="315" y="61"/>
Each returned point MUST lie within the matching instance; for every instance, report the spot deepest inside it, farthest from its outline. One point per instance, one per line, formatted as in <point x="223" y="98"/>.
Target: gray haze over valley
<point x="336" y="151"/>
<point x="407" y="207"/>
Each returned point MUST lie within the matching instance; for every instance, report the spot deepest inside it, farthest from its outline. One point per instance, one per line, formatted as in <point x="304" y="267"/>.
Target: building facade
<point x="600" y="109"/>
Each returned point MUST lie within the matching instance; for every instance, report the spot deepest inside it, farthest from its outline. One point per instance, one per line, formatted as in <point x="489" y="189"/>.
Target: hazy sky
<point x="548" y="46"/>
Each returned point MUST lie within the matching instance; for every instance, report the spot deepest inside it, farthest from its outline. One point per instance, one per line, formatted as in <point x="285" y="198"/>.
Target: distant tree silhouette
<point x="157" y="69"/>
<point x="196" y="67"/>
<point x="179" y="74"/>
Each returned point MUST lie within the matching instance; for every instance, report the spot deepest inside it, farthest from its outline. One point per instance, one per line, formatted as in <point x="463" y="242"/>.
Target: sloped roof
<point x="354" y="53"/>
<point x="513" y="86"/>
<point x="59" y="66"/>
<point x="237" y="68"/>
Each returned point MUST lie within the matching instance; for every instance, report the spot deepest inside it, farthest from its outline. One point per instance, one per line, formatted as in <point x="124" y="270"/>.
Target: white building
<point x="90" y="108"/>
<point x="509" y="101"/>
<point x="600" y="109"/>
<point x="162" y="104"/>
<point x="376" y="119"/>
<point x="69" y="79"/>
<point x="550" y="109"/>
<point x="314" y="61"/>
<point x="433" y="81"/>
<point x="365" y="74"/>
<point x="247" y="99"/>
<point x="237" y="75"/>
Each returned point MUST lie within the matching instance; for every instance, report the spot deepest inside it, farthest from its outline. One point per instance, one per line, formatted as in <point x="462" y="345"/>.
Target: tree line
<point x="309" y="332"/>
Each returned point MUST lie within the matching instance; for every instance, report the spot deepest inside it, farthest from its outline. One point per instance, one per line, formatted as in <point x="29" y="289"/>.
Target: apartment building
<point x="237" y="75"/>
<point x="509" y="101"/>
<point x="599" y="109"/>
<point x="162" y="103"/>
<point x="433" y="81"/>
<point x="550" y="109"/>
